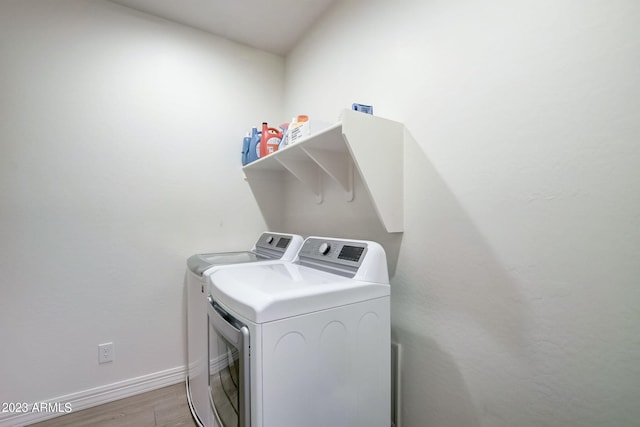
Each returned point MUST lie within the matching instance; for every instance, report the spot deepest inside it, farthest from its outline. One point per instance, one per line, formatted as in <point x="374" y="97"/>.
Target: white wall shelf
<point x="362" y="143"/>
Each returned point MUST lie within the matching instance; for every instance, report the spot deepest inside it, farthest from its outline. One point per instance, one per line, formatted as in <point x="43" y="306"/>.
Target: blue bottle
<point x="245" y="148"/>
<point x="253" y="153"/>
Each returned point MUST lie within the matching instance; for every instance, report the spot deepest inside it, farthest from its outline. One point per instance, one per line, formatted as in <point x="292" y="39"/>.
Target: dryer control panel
<point x="342" y="257"/>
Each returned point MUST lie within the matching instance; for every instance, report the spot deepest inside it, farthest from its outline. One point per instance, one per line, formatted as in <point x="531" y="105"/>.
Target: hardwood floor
<point x="166" y="406"/>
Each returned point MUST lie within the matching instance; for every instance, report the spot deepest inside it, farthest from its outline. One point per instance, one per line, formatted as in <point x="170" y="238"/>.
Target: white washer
<point x="304" y="343"/>
<point x="269" y="247"/>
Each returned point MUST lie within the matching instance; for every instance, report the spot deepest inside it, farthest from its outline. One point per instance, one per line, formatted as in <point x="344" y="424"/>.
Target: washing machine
<point x="269" y="247"/>
<point x="304" y="343"/>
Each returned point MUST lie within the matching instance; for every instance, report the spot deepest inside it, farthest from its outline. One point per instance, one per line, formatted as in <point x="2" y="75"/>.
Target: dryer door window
<point x="228" y="368"/>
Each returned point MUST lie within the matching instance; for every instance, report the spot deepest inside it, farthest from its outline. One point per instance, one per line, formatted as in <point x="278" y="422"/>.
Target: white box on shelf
<point x="301" y="130"/>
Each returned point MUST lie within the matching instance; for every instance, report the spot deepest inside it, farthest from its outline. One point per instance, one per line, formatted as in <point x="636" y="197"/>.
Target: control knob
<point x="324" y="248"/>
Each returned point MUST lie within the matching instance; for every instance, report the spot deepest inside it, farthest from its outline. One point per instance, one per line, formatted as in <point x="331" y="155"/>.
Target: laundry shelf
<point x="362" y="143"/>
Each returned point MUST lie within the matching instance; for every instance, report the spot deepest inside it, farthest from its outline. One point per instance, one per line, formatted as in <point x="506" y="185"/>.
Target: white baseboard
<point x="96" y="396"/>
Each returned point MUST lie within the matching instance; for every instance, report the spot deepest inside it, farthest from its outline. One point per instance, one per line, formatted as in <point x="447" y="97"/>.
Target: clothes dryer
<point x="269" y="247"/>
<point x="304" y="343"/>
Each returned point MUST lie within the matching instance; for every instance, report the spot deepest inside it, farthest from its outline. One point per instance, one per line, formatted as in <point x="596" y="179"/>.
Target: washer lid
<point x="198" y="264"/>
<point x="270" y="246"/>
<point x="264" y="293"/>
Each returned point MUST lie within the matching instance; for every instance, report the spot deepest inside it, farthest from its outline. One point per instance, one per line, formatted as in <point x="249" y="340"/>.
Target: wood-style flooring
<point x="166" y="406"/>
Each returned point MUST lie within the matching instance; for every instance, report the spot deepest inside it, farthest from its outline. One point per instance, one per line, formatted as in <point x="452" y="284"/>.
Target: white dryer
<point x="269" y="247"/>
<point x="304" y="343"/>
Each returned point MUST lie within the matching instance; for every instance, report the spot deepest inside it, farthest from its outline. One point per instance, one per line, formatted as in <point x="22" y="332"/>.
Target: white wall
<point x="120" y="139"/>
<point x="516" y="290"/>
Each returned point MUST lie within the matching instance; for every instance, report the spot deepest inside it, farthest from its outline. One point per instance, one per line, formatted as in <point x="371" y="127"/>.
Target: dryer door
<point x="229" y="385"/>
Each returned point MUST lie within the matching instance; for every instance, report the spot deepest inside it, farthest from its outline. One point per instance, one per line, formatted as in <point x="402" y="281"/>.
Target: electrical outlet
<point x="105" y="352"/>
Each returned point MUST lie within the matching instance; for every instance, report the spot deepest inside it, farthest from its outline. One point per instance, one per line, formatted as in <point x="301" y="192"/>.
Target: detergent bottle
<point x="246" y="141"/>
<point x="298" y="129"/>
<point x="253" y="153"/>
<point x="270" y="139"/>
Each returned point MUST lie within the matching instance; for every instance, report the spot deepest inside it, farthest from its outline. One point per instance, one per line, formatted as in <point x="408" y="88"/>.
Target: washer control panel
<point x="272" y="245"/>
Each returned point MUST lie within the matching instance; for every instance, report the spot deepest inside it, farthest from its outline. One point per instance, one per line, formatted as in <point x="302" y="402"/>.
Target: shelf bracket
<point x="307" y="173"/>
<point x="337" y="166"/>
